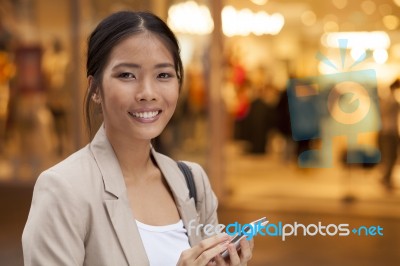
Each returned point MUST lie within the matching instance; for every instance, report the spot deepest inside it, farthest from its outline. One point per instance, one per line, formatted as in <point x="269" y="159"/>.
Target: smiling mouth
<point x="144" y="115"/>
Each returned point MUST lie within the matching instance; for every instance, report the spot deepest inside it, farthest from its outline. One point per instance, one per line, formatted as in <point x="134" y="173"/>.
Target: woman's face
<point x="140" y="88"/>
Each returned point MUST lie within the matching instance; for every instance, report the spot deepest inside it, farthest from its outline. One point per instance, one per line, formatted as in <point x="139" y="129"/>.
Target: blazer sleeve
<point x="55" y="230"/>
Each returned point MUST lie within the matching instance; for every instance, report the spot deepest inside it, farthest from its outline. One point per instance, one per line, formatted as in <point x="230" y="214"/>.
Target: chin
<point x="150" y="135"/>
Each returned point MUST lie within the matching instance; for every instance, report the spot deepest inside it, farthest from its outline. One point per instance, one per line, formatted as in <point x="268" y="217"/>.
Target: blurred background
<point x="234" y="117"/>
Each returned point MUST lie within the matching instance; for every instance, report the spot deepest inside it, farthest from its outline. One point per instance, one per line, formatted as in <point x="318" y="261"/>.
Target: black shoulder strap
<point x="189" y="180"/>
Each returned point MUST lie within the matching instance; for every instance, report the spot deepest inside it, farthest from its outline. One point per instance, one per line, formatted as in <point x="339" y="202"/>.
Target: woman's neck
<point x="133" y="156"/>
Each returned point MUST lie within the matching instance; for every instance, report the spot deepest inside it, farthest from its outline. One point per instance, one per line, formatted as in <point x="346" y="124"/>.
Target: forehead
<point x="144" y="45"/>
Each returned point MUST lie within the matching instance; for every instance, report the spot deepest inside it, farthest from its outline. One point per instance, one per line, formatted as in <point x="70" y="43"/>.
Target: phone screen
<point x="236" y="239"/>
<point x="241" y="234"/>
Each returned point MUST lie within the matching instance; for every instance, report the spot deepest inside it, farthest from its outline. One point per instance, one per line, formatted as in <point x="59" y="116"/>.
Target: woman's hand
<point x="237" y="257"/>
<point x="207" y="252"/>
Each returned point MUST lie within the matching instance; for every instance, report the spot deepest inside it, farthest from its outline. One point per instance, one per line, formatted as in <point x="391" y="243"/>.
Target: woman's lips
<point x="145" y="116"/>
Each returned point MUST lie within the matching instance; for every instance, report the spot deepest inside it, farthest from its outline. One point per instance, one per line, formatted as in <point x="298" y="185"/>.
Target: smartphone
<point x="236" y="239"/>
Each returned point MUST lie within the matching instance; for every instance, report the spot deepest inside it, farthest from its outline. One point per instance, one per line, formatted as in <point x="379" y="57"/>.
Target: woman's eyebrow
<point x="133" y="65"/>
<point x="162" y="65"/>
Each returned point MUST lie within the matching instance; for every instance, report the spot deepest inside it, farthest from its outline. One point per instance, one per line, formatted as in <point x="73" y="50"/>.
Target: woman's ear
<point x="96" y="97"/>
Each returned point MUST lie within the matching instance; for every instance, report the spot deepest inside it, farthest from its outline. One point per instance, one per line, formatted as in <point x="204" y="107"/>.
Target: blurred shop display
<point x="7" y="73"/>
<point x="191" y="18"/>
<point x="38" y="91"/>
<point x="55" y="71"/>
<point x="31" y="119"/>
<point x="262" y="43"/>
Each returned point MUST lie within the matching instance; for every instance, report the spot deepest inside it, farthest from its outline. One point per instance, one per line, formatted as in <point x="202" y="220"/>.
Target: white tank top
<point x="163" y="244"/>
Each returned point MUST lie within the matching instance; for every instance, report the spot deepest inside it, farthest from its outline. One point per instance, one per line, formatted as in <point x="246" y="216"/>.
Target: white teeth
<point x="145" y="115"/>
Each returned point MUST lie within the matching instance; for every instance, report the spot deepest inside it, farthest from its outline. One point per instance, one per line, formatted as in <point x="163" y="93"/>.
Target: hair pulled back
<point x="109" y="33"/>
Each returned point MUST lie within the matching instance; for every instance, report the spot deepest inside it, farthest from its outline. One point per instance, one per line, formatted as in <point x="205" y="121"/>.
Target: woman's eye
<point x="126" y="75"/>
<point x="164" y="75"/>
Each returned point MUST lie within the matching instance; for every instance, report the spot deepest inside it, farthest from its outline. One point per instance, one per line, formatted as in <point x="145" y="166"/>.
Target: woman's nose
<point x="146" y="91"/>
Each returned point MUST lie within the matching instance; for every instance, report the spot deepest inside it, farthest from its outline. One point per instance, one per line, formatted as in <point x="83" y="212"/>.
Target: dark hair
<point x="109" y="33"/>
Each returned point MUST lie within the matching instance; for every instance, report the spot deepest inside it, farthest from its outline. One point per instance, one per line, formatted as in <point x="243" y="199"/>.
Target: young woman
<point x="117" y="201"/>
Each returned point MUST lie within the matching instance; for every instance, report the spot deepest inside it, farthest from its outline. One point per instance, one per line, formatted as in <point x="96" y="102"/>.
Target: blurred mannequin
<point x="55" y="65"/>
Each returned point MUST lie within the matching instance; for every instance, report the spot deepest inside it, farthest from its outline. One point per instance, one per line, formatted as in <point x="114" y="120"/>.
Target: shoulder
<point x="207" y="202"/>
<point x="202" y="182"/>
<point x="62" y="204"/>
<point x="76" y="173"/>
<point x="199" y="174"/>
<point x="77" y="161"/>
<point x="200" y="177"/>
<point x="64" y="193"/>
<point x="195" y="167"/>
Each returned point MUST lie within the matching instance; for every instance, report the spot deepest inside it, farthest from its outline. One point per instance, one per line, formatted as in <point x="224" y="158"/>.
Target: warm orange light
<point x="368" y="7"/>
<point x="361" y="39"/>
<point x="244" y="22"/>
<point x="259" y="2"/>
<point x="190" y="18"/>
<point x="308" y="18"/>
<point x="391" y="22"/>
<point x="340" y="4"/>
<point x="380" y="56"/>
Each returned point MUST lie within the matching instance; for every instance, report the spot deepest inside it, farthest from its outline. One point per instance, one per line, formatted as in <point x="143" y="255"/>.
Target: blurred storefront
<point x="42" y="51"/>
<point x="236" y="115"/>
<point x="238" y="56"/>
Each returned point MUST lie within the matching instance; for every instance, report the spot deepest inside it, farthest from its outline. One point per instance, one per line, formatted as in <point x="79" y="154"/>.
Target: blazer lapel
<point x="177" y="183"/>
<point x="117" y="204"/>
<point x="128" y="234"/>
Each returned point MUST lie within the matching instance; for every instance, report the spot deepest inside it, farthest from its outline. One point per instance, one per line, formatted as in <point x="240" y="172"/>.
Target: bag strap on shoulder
<point x="189" y="180"/>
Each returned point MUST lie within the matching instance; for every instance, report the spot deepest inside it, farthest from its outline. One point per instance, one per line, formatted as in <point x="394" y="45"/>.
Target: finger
<point x="212" y="263"/>
<point x="251" y="244"/>
<point x="203" y="252"/>
<point x="246" y="252"/>
<point x="211" y="242"/>
<point x="220" y="261"/>
<point x="233" y="255"/>
<point x="207" y="255"/>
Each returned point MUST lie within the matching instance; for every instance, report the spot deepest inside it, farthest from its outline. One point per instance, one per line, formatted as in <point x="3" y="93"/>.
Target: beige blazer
<point x="80" y="214"/>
